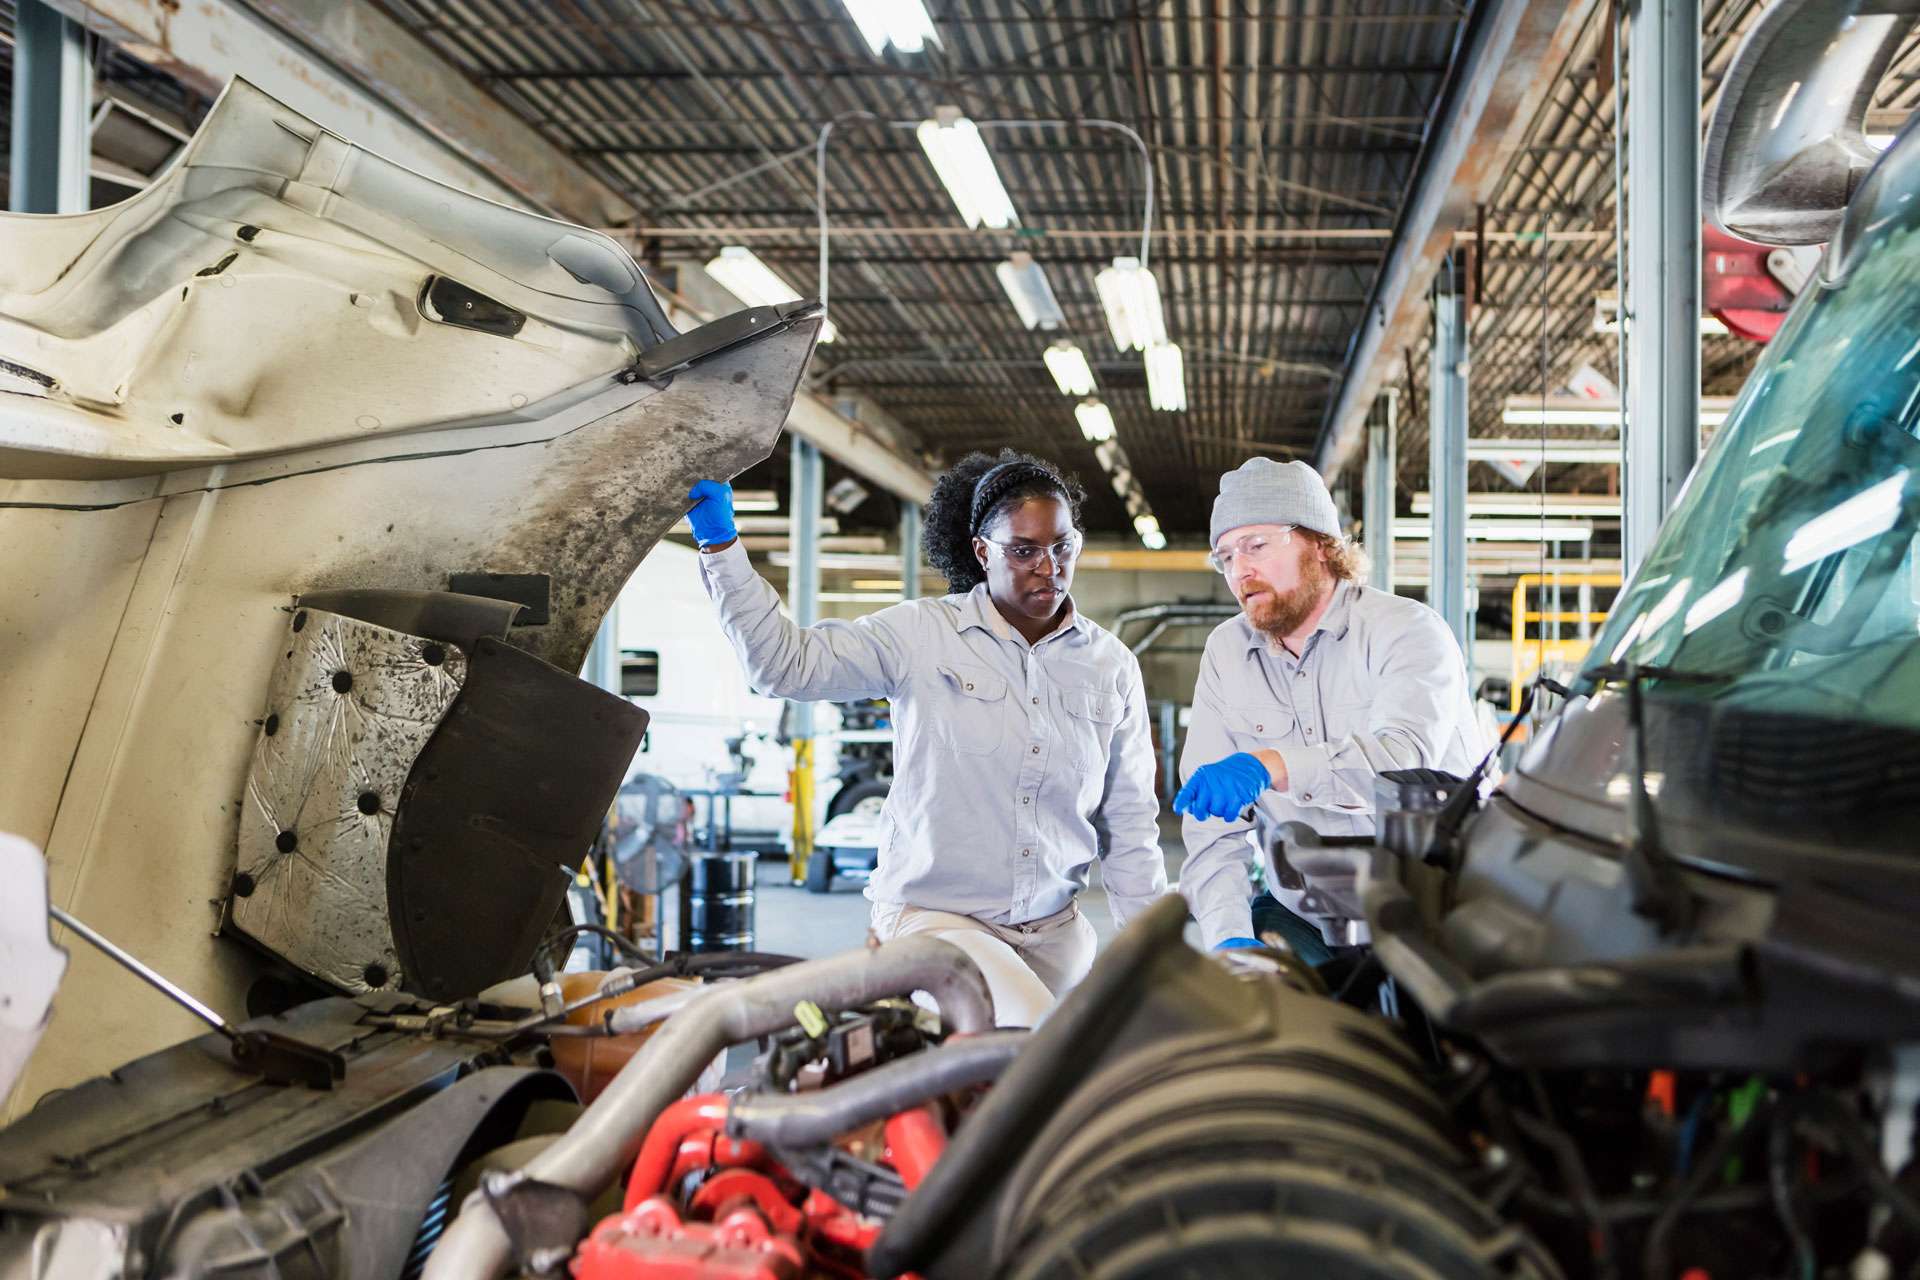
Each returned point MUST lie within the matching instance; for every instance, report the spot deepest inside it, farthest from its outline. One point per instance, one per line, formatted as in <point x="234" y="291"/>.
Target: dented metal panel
<point x="351" y="707"/>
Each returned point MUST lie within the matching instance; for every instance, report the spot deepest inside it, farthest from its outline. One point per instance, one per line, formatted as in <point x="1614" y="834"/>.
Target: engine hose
<point x="810" y="1119"/>
<point x="606" y="1138"/>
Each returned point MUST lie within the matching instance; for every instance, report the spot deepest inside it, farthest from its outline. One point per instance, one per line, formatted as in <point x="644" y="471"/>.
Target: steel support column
<point x="1447" y="461"/>
<point x="1662" y="431"/>
<point x="52" y="112"/>
<point x="1383" y="459"/>
<point x="909" y="551"/>
<point x="803" y="600"/>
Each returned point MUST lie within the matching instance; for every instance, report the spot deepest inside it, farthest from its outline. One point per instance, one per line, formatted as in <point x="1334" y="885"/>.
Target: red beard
<point x="1280" y="615"/>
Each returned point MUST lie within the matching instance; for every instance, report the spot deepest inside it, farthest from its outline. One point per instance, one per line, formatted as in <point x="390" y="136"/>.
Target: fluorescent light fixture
<point x="1867" y="514"/>
<point x="1149" y="530"/>
<point x="743" y="523"/>
<point x="1505" y="530"/>
<point x="1529" y="504"/>
<point x="742" y="274"/>
<point x="877" y="584"/>
<point x="902" y="23"/>
<point x="1112" y="457"/>
<point x="1166" y="377"/>
<point x="1096" y="421"/>
<point x="858" y="597"/>
<point x="1122" y="480"/>
<point x="1155" y="541"/>
<point x="878" y="562"/>
<point x="1071" y="372"/>
<point x="1131" y="298"/>
<point x="1716" y="602"/>
<point x="755" y="500"/>
<point x="952" y="142"/>
<point x="1480" y="449"/>
<point x="1026" y="284"/>
<point x="1578" y="411"/>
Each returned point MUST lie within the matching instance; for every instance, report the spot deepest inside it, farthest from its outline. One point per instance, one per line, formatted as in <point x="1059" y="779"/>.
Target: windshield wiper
<point x="1658" y="892"/>
<point x="1624" y="673"/>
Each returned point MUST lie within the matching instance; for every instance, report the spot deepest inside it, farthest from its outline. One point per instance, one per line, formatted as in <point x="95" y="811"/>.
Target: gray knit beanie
<point x="1262" y="491"/>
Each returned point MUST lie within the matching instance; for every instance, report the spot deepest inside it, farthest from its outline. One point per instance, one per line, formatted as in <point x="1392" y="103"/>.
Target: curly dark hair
<point x="969" y="495"/>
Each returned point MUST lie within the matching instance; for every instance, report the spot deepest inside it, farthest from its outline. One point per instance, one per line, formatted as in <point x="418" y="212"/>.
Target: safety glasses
<point x="1025" y="555"/>
<point x="1249" y="549"/>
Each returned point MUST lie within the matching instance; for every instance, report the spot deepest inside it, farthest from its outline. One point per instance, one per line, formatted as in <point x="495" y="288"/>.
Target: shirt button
<point x="1306" y="795"/>
<point x="1036" y="702"/>
<point x="969" y="688"/>
<point x="1026" y="799"/>
<point x="1026" y="853"/>
<point x="1309" y="733"/>
<point x="1301" y="674"/>
<point x="1036" y="749"/>
<point x="1259" y="728"/>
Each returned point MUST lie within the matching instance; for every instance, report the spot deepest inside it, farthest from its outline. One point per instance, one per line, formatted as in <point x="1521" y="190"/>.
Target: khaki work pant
<point x="1027" y="966"/>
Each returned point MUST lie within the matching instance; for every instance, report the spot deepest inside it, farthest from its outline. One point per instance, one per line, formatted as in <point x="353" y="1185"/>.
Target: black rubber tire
<point x="854" y="792"/>
<point x="820" y="871"/>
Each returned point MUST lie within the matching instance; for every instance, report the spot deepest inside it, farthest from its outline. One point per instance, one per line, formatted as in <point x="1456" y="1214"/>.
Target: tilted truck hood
<point x="291" y="366"/>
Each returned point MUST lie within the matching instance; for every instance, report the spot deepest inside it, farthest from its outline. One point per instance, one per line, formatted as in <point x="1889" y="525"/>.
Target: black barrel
<point x="720" y="902"/>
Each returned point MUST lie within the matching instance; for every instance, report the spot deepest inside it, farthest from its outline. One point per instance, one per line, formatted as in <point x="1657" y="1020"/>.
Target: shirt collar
<point x="977" y="610"/>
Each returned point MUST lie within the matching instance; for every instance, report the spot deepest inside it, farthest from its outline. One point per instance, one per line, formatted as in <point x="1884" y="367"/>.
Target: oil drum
<point x="720" y="902"/>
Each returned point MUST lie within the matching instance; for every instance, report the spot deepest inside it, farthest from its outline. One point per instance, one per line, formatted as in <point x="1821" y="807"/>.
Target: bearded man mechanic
<point x="1320" y="684"/>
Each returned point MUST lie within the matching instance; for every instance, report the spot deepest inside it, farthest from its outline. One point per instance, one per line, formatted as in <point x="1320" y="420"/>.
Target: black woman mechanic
<point x="1022" y="750"/>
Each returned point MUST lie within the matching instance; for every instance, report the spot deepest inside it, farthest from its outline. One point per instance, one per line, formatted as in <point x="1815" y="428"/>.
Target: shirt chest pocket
<point x="969" y="714"/>
<point x="1088" y="724"/>
<point x="1259" y="726"/>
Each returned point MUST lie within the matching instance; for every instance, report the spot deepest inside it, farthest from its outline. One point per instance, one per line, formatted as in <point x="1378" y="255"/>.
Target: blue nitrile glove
<point x="712" y="513"/>
<point x="1225" y="788"/>
<point x="1236" y="944"/>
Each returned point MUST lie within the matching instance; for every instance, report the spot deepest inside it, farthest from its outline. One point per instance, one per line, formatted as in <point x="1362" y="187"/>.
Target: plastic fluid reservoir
<point x="590" y="1062"/>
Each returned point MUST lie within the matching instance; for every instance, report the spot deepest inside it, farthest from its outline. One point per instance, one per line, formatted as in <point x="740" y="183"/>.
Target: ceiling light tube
<point x="1523" y="450"/>
<point x="1131" y="298"/>
<point x="742" y="274"/>
<point x="903" y="23"/>
<point x="1026" y="285"/>
<point x="1506" y="530"/>
<point x="1529" y="504"/>
<point x="952" y="142"/>
<point x="1166" y="377"/>
<point x="1071" y="372"/>
<point x="1577" y="411"/>
<point x="1096" y="421"/>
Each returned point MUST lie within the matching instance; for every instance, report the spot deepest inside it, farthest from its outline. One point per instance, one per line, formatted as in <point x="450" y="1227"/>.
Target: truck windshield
<point x="1789" y="565"/>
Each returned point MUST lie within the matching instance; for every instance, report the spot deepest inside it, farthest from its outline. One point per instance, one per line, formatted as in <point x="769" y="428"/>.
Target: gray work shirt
<point x="1015" y="765"/>
<point x="1380" y="685"/>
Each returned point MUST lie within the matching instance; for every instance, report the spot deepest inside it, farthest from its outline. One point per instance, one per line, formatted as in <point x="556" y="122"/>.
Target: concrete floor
<point x="791" y="921"/>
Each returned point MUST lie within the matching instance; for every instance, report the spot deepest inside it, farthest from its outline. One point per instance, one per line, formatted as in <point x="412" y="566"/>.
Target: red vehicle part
<point x="652" y="1242"/>
<point x="1738" y="288"/>
<point x="915" y="1139"/>
<point x="747" y="1219"/>
<point x="689" y="1135"/>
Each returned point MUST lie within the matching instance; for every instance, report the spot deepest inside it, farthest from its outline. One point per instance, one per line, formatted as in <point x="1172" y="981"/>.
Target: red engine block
<point x="747" y="1219"/>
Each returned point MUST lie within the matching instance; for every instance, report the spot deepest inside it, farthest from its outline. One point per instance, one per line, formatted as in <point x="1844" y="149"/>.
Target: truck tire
<point x="820" y="871"/>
